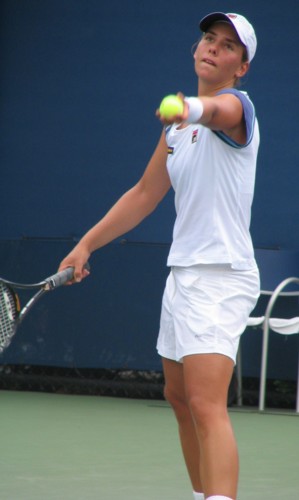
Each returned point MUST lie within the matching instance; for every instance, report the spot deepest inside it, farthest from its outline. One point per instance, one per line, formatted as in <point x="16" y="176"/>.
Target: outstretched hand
<point x="179" y="118"/>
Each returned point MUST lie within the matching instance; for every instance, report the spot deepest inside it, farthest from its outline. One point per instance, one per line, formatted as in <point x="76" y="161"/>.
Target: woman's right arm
<point x="134" y="206"/>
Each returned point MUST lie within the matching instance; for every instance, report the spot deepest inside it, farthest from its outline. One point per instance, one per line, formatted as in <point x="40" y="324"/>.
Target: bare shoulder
<point x="230" y="117"/>
<point x="229" y="103"/>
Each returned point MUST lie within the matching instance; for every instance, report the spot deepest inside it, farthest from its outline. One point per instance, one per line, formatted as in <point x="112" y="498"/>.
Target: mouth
<point x="208" y="61"/>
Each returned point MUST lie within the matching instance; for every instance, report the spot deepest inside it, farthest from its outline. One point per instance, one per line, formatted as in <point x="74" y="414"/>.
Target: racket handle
<point x="62" y="277"/>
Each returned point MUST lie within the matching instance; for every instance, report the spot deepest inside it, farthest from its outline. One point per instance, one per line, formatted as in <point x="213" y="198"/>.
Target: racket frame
<point x="54" y="281"/>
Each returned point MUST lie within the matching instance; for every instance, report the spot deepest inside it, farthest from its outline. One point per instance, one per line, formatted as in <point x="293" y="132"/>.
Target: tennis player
<point x="208" y="155"/>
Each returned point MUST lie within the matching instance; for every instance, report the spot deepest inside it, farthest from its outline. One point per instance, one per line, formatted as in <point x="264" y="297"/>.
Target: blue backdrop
<point x="80" y="82"/>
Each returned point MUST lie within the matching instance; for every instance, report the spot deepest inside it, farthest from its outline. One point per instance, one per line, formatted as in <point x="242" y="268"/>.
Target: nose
<point x="213" y="49"/>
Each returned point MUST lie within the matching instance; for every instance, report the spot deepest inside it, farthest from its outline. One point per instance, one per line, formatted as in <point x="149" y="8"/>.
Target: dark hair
<point x="238" y="81"/>
<point x="245" y="57"/>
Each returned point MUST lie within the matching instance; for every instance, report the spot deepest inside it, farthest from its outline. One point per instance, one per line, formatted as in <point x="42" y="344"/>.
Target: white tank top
<point x="213" y="178"/>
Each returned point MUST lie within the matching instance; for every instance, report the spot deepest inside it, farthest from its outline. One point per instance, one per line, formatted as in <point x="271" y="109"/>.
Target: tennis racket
<point x="11" y="313"/>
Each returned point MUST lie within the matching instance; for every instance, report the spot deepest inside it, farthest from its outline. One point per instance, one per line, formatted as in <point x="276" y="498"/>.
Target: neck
<point x="209" y="89"/>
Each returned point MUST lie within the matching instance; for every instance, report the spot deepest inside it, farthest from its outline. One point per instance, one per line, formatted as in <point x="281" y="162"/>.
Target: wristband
<point x="195" y="109"/>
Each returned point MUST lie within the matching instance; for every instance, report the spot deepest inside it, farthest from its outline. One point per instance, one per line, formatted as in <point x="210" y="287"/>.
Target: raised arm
<point x="220" y="112"/>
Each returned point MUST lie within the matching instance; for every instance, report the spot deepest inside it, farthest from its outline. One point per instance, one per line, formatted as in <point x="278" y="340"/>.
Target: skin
<point x="196" y="388"/>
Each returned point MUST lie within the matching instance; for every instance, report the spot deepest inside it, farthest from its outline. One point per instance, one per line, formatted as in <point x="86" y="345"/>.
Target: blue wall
<point x="80" y="82"/>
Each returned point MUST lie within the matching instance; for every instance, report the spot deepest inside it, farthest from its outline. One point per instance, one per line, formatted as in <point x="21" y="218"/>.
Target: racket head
<point x="9" y="313"/>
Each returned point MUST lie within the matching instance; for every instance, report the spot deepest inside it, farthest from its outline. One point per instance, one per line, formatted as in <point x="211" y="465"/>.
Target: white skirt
<point x="205" y="309"/>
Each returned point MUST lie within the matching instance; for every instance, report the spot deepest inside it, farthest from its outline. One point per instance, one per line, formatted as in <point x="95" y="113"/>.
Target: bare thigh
<point x="207" y="378"/>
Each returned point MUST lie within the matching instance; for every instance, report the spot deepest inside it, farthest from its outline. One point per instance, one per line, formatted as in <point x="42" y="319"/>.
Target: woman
<point x="208" y="155"/>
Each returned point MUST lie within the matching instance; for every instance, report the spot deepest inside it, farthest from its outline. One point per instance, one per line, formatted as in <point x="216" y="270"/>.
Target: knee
<point x="178" y="402"/>
<point x="206" y="413"/>
<point x="174" y="397"/>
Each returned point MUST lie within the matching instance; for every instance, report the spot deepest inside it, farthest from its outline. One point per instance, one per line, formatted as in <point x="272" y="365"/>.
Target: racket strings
<point x="9" y="310"/>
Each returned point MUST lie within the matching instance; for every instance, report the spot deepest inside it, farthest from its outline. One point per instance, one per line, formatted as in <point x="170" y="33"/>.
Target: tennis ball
<point x="171" y="106"/>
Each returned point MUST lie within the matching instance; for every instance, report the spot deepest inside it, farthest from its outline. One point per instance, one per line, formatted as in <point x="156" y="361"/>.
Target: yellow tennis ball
<point x="171" y="106"/>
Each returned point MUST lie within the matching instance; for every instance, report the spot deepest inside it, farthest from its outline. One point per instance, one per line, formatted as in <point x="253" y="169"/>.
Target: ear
<point x="242" y="70"/>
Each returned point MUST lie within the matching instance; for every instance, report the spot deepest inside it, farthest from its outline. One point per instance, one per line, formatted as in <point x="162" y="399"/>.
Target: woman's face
<point x="219" y="55"/>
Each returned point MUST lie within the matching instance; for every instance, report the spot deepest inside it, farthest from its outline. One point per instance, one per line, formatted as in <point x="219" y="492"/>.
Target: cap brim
<point x="206" y="22"/>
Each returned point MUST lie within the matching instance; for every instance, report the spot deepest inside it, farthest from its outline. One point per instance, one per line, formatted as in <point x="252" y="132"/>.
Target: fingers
<point x="80" y="265"/>
<point x="178" y="118"/>
<point x="80" y="273"/>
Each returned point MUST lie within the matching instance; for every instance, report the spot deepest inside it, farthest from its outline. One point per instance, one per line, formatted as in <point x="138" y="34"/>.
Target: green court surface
<point x="67" y="447"/>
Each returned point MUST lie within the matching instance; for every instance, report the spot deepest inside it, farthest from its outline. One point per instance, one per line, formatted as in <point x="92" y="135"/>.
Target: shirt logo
<point x="170" y="150"/>
<point x="194" y="136"/>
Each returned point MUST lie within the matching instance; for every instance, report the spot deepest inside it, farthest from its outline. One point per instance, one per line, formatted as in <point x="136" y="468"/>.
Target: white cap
<point x="243" y="28"/>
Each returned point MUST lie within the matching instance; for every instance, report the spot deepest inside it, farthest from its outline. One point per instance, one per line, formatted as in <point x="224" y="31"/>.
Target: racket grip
<point x="62" y="277"/>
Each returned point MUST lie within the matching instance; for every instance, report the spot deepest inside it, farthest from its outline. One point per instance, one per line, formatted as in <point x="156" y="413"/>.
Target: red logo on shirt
<point x="194" y="135"/>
